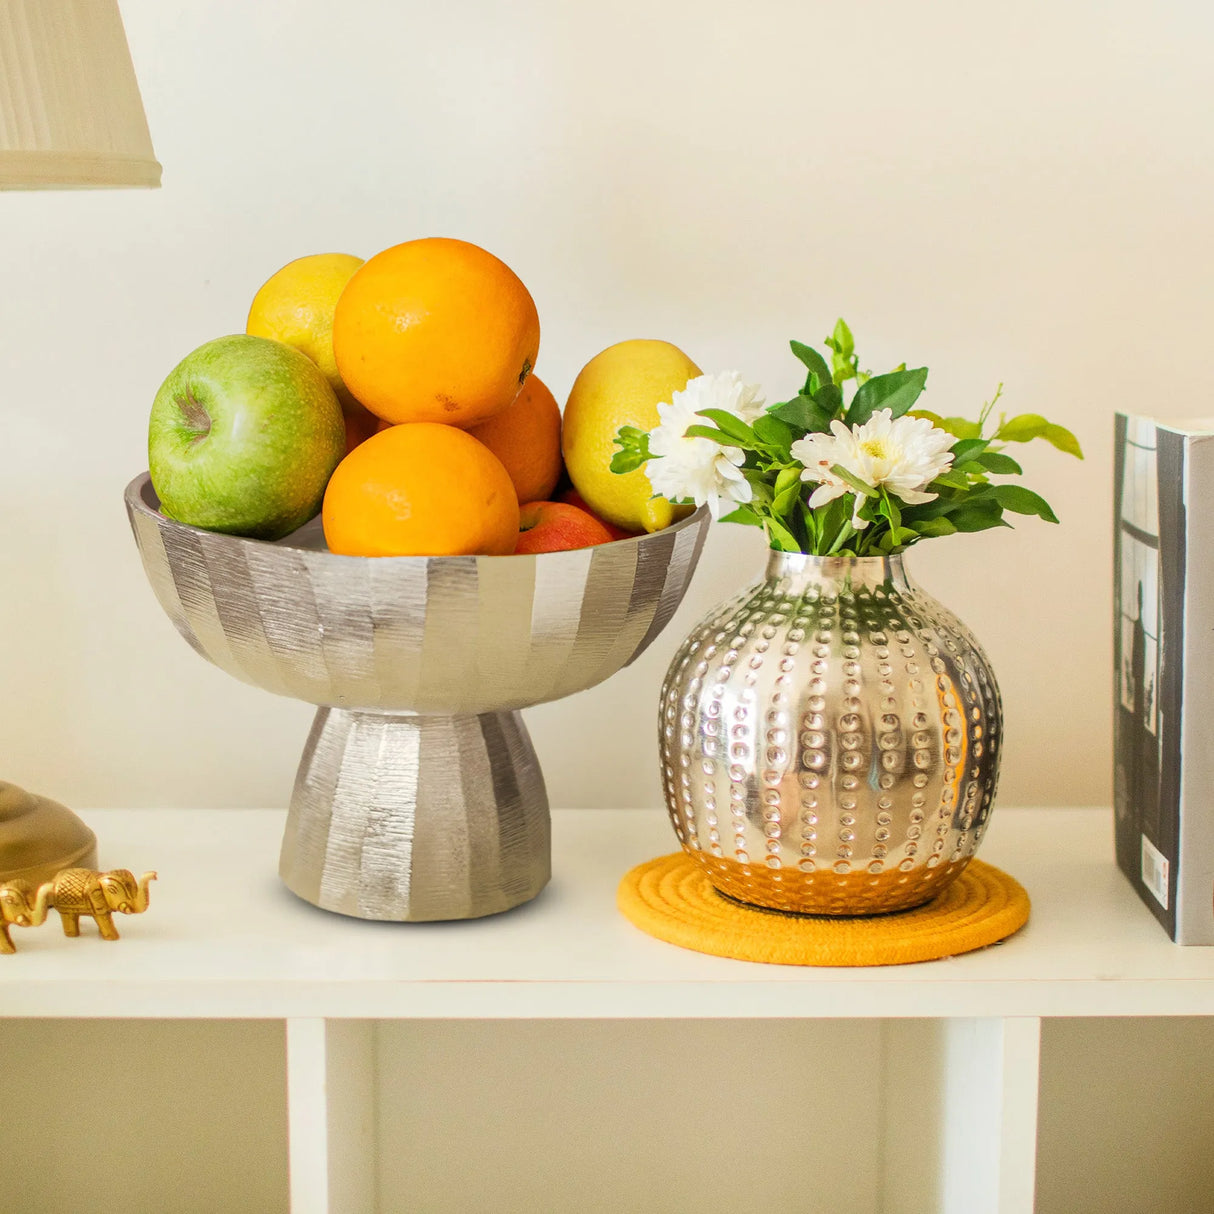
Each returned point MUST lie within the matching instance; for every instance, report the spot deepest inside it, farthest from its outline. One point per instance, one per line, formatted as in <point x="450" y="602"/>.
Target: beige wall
<point x="1016" y="193"/>
<point x="517" y="1117"/>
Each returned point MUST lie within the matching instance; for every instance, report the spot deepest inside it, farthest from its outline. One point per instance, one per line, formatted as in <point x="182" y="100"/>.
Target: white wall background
<point x="1003" y="191"/>
<point x="1017" y="193"/>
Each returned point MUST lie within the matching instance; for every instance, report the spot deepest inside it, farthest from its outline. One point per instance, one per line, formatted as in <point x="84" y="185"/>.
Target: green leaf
<point x="634" y="449"/>
<point x="627" y="461"/>
<point x="934" y="526"/>
<point x="744" y="515"/>
<point x="787" y="490"/>
<point x="729" y="423"/>
<point x="891" y="510"/>
<point x="958" y="427"/>
<point x="843" y="348"/>
<point x="1021" y="429"/>
<point x="1028" y="426"/>
<point x="784" y="501"/>
<point x="1022" y="501"/>
<point x="854" y="481"/>
<point x="781" y="538"/>
<point x="786" y="477"/>
<point x="1064" y="440"/>
<point x="773" y="431"/>
<point x="898" y="537"/>
<point x="845" y="533"/>
<point x="944" y="503"/>
<point x="717" y="436"/>
<point x="803" y="413"/>
<point x="997" y="462"/>
<point x="815" y="364"/>
<point x="896" y="392"/>
<point x="978" y="516"/>
<point x="949" y="480"/>
<point x="812" y="521"/>
<point x="972" y="493"/>
<point x="967" y="449"/>
<point x="842" y="341"/>
<point x="760" y="482"/>
<point x="830" y="397"/>
<point x="834" y="513"/>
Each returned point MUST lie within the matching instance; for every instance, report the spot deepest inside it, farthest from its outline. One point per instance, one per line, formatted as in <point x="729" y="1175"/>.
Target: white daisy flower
<point x="904" y="454"/>
<point x="698" y="468"/>
<point x="729" y="392"/>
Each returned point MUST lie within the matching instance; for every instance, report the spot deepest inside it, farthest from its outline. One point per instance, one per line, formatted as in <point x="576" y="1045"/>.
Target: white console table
<point x="940" y="1061"/>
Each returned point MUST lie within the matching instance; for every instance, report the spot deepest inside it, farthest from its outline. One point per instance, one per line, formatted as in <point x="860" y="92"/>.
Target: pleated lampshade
<point x="70" y="110"/>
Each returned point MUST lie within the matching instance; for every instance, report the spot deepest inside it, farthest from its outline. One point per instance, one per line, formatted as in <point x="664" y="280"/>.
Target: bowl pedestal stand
<point x="407" y="817"/>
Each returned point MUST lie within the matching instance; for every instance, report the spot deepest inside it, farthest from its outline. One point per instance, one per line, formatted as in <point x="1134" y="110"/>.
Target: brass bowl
<point x="419" y="795"/>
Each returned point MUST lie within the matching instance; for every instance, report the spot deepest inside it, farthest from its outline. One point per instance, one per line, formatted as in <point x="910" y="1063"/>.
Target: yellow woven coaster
<point x="671" y="898"/>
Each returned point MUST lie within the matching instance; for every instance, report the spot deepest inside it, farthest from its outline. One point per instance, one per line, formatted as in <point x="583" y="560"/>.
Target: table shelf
<point x="950" y="1051"/>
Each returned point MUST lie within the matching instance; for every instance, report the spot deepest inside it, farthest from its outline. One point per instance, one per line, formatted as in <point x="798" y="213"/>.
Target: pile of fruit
<point x="397" y="398"/>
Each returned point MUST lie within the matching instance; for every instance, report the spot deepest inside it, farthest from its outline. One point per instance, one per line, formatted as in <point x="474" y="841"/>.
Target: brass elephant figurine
<point x="18" y="905"/>
<point x="79" y="891"/>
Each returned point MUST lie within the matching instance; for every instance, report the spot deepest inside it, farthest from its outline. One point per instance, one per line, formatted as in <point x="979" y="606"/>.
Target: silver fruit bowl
<point x="419" y="795"/>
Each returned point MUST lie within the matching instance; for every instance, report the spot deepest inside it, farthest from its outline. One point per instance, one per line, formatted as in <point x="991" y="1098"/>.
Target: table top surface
<point x="224" y="939"/>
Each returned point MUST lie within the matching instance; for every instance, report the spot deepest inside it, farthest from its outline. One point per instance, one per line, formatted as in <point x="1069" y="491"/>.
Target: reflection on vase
<point x="830" y="740"/>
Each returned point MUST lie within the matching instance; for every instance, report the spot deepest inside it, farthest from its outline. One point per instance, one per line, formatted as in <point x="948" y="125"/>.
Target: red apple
<point x="360" y="425"/>
<point x="574" y="498"/>
<point x="557" y="527"/>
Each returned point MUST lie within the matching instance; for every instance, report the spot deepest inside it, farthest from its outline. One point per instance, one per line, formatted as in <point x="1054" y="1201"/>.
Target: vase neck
<point x="801" y="572"/>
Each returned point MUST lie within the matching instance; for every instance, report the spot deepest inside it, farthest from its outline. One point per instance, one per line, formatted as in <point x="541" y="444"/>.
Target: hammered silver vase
<point x="830" y="740"/>
<point x="419" y="795"/>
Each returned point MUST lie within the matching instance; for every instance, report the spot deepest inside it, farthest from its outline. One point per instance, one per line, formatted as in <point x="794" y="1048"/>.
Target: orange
<point x="526" y="437"/>
<point x="435" y="330"/>
<point x="421" y="489"/>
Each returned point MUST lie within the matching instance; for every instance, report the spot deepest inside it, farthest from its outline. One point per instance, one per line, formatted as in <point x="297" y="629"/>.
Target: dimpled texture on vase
<point x="830" y="740"/>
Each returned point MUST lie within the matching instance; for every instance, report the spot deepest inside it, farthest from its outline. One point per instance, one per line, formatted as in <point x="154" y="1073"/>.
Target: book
<point x="1163" y="662"/>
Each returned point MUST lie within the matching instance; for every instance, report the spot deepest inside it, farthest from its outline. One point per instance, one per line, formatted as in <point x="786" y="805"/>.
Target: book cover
<point x="1163" y="643"/>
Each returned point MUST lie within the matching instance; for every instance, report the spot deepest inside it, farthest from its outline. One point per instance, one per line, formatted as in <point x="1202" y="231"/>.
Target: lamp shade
<point x="70" y="111"/>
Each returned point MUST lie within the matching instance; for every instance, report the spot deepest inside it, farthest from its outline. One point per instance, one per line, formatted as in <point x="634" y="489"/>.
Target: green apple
<point x="244" y="435"/>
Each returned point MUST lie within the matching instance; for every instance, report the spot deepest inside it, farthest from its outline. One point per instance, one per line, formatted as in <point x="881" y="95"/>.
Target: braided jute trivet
<point x="671" y="898"/>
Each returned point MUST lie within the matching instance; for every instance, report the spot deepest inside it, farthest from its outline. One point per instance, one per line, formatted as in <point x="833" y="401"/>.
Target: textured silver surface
<point x="422" y="797"/>
<point x="440" y="817"/>
<point x="830" y="739"/>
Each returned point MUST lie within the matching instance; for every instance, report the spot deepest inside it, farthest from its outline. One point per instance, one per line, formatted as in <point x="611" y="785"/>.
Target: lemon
<point x="295" y="306"/>
<point x="622" y="386"/>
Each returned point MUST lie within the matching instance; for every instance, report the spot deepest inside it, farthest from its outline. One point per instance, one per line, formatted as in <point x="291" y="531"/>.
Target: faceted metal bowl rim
<point x="362" y="633"/>
<point x="141" y="496"/>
